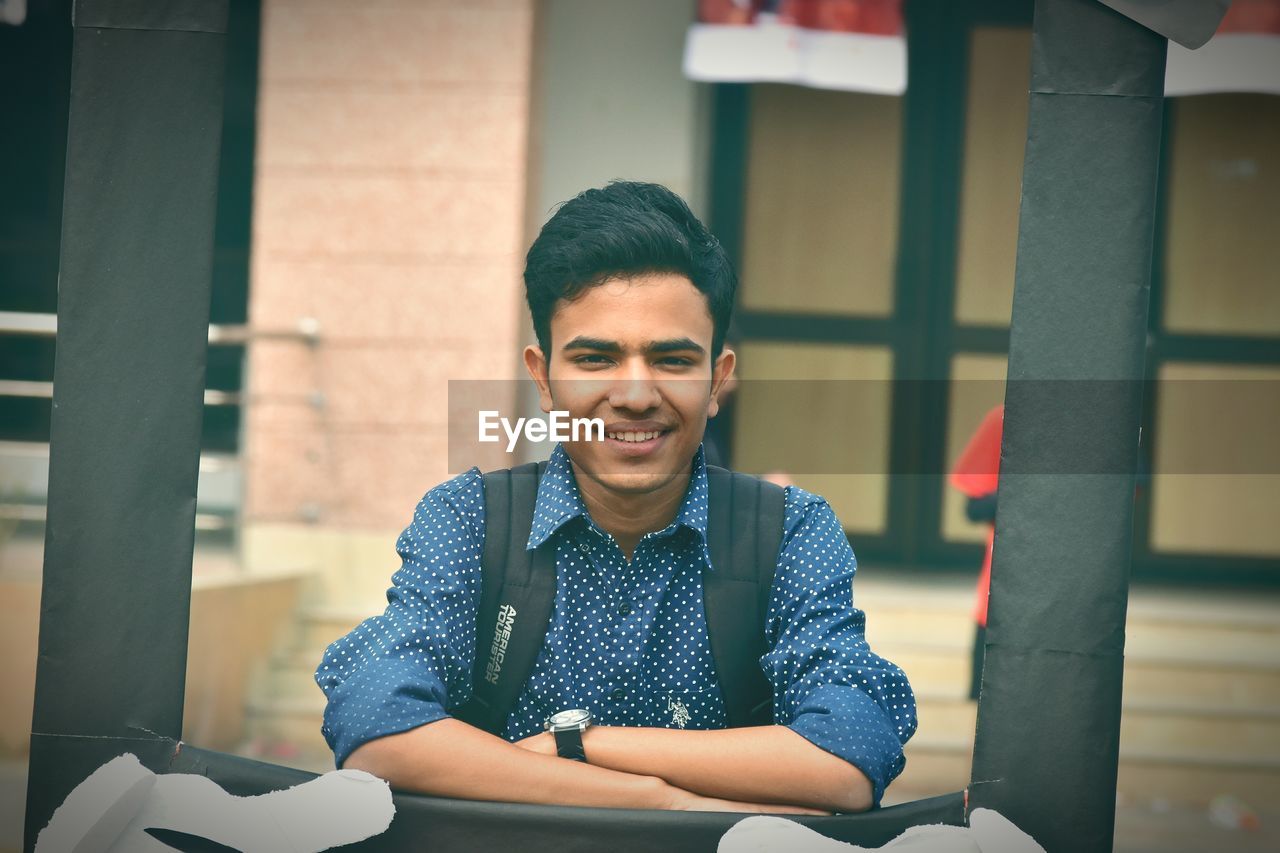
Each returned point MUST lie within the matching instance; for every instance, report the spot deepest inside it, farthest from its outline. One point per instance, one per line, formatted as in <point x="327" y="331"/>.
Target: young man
<point x="630" y="297"/>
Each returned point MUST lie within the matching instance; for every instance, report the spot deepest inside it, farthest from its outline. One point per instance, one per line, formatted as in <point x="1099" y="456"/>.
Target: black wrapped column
<point x="133" y="316"/>
<point x="1049" y="717"/>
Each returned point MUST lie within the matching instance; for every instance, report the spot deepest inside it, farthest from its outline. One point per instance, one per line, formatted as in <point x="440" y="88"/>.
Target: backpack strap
<point x="517" y="592"/>
<point x="744" y="535"/>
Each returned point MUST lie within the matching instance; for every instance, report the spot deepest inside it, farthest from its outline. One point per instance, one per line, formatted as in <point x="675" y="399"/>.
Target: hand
<point x="682" y="800"/>
<point x="543" y="743"/>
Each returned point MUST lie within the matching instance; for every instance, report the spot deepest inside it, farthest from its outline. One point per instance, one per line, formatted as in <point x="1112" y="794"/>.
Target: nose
<point x="635" y="389"/>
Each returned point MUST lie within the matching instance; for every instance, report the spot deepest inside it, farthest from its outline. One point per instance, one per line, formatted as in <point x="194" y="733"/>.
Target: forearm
<point x="769" y="764"/>
<point x="449" y="758"/>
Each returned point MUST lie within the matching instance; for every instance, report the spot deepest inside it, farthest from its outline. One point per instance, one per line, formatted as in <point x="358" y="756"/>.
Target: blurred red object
<point x="729" y="11"/>
<point x="871" y="17"/>
<point x="1252" y="16"/>
<point x="977" y="473"/>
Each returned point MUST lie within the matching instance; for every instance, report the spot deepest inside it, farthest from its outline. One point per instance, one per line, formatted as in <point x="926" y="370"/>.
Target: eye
<point x="590" y="360"/>
<point x="676" y="361"/>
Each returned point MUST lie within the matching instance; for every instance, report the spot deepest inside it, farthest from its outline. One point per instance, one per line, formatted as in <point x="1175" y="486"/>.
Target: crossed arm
<point x="762" y="769"/>
<point x="389" y="683"/>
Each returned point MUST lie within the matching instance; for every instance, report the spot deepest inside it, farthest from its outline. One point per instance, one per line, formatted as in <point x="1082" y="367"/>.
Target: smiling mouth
<point x="633" y="437"/>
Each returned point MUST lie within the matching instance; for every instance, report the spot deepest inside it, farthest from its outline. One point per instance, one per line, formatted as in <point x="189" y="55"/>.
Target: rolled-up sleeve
<point x="829" y="687"/>
<point x="408" y="666"/>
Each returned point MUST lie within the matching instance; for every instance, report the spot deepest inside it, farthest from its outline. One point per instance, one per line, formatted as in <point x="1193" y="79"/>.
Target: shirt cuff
<point x="849" y="724"/>
<point x="379" y="699"/>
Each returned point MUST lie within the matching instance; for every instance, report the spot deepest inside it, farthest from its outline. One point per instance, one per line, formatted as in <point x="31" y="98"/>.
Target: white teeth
<point x="634" y="436"/>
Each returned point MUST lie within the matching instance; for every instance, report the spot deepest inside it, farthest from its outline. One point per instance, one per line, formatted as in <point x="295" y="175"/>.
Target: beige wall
<point x="19" y="632"/>
<point x="219" y="662"/>
<point x="388" y="206"/>
<point x="612" y="101"/>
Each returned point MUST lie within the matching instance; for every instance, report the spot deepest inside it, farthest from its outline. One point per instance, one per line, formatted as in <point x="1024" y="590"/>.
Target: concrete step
<point x="1145" y="779"/>
<point x="1225" y="684"/>
<point x="941" y="765"/>
<point x="893" y="592"/>
<point x="931" y="608"/>
<point x="292" y="725"/>
<point x="320" y="626"/>
<point x="1205" y="737"/>
<point x="1198" y="734"/>
<point x="1246" y="645"/>
<point x="931" y="770"/>
<point x="1148" y="680"/>
<point x="286" y="754"/>
<point x="288" y="679"/>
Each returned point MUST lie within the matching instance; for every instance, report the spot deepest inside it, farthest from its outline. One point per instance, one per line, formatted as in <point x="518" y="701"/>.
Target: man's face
<point x="636" y="353"/>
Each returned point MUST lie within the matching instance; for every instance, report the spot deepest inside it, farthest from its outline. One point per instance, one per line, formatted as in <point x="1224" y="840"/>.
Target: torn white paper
<point x="111" y="811"/>
<point x="1230" y="62"/>
<point x="987" y="832"/>
<point x="774" y="52"/>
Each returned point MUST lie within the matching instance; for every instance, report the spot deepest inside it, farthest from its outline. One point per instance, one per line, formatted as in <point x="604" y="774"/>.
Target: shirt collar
<point x="559" y="502"/>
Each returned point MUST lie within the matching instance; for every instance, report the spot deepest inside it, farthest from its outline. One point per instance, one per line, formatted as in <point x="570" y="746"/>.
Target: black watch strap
<point x="569" y="745"/>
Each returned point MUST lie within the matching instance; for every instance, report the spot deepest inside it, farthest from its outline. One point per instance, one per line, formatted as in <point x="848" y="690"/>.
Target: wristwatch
<point x="567" y="728"/>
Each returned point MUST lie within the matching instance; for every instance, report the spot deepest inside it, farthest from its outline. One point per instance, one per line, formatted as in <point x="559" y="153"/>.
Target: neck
<point x="628" y="517"/>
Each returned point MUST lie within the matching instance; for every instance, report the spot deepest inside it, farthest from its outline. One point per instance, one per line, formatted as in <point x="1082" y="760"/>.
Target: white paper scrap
<point x="988" y="832"/>
<point x="93" y="815"/>
<point x="111" y="811"/>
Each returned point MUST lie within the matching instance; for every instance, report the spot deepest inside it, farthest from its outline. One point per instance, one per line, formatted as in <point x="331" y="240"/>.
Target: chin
<point x="622" y="478"/>
<point x="632" y="482"/>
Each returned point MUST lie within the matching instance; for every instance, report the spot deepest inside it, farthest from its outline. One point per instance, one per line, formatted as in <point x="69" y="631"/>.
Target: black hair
<point x="626" y="228"/>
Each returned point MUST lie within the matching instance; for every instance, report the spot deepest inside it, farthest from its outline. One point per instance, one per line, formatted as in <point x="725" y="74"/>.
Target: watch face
<point x="568" y="719"/>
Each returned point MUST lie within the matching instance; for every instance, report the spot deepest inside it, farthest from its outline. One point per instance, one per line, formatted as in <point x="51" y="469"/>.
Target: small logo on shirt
<point x="679" y="713"/>
<point x="501" y="635"/>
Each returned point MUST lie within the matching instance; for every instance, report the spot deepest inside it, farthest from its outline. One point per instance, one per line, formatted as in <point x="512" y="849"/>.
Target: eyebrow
<point x="675" y="345"/>
<point x="665" y="346"/>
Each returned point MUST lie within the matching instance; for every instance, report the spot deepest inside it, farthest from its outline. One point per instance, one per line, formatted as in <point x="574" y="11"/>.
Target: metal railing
<point x="38" y="452"/>
<point x="30" y="324"/>
<point x="306" y="330"/>
<point x="207" y="521"/>
<point x="25" y="388"/>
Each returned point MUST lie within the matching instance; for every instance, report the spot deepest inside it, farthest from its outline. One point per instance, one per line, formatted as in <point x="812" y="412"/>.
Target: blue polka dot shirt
<point x="627" y="640"/>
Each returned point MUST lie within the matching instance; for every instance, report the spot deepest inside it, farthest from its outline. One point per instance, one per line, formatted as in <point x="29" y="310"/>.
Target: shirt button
<point x="584" y="547"/>
<point x="624" y="609"/>
<point x="617" y="694"/>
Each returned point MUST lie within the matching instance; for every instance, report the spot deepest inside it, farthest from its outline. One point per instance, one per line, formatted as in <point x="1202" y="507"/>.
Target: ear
<point x="719" y="376"/>
<point x="536" y="363"/>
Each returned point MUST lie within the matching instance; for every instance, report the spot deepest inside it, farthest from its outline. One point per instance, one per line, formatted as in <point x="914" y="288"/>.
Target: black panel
<point x="1047" y="743"/>
<point x="133" y="315"/>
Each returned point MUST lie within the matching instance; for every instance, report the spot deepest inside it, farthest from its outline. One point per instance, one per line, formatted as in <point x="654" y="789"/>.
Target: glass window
<point x="821" y="229"/>
<point x="791" y="417"/>
<point x="1221" y="251"/>
<point x="991" y="181"/>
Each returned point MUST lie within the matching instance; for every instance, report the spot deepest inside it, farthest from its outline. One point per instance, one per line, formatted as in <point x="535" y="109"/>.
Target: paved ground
<point x="1160" y="828"/>
<point x="13" y="794"/>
